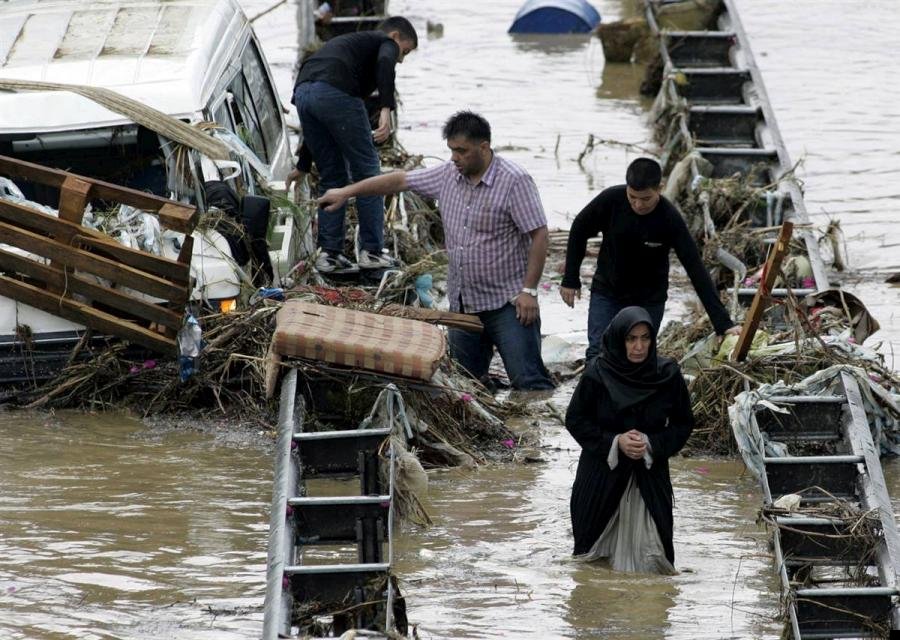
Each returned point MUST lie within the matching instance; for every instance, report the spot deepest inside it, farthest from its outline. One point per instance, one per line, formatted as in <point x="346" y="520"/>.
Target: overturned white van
<point x="194" y="61"/>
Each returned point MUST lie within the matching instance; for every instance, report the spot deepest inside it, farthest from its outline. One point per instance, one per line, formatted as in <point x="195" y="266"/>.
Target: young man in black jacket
<point x="639" y="228"/>
<point x="329" y="96"/>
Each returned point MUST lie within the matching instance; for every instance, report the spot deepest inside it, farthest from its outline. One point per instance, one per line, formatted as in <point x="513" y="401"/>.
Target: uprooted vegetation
<point x="465" y="422"/>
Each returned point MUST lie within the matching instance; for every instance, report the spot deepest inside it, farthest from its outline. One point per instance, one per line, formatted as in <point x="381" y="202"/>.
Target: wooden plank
<point x="174" y="215"/>
<point x="761" y="299"/>
<point x="32" y="220"/>
<point x="186" y="254"/>
<point x="874" y="489"/>
<point x="273" y="369"/>
<point x="179" y="217"/>
<point x="83" y="314"/>
<point x="104" y="267"/>
<point x="73" y="198"/>
<point x="464" y="321"/>
<point x="171" y="270"/>
<point x="73" y="283"/>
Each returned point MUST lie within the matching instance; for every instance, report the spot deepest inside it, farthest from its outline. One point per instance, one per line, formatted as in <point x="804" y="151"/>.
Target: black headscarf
<point x="629" y="383"/>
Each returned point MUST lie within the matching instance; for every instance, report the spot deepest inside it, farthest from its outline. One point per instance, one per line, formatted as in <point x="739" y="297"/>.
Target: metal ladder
<point x="821" y="549"/>
<point x="355" y="595"/>
<point x="727" y="119"/>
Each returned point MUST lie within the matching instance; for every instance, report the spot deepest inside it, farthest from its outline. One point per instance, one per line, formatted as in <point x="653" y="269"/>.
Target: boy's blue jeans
<point x="337" y="131"/>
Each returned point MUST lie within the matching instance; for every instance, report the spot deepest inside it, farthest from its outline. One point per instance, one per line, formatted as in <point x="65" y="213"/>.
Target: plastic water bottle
<point x="190" y="342"/>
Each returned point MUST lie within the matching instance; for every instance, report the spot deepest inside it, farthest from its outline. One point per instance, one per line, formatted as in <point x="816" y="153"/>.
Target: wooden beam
<point x="73" y="283"/>
<point x="32" y="220"/>
<point x="464" y="321"/>
<point x="74" y="195"/>
<point x="761" y="299"/>
<point x="171" y="270"/>
<point x="178" y="217"/>
<point x="186" y="254"/>
<point x="81" y="313"/>
<point x="90" y="263"/>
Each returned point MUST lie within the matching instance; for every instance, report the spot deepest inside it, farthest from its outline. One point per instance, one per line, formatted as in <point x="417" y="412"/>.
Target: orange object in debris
<point x="227" y="306"/>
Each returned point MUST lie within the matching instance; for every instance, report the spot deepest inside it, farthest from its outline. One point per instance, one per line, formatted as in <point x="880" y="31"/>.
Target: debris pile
<point x="816" y="338"/>
<point x="456" y="421"/>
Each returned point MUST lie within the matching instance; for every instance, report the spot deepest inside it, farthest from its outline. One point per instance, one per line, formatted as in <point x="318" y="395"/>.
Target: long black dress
<point x="651" y="398"/>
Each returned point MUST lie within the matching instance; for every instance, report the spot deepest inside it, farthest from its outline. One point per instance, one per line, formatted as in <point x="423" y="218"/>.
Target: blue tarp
<point x="555" y="16"/>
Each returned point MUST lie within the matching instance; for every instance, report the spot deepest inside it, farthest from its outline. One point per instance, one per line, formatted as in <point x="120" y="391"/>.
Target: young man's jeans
<point x="602" y="309"/>
<point x="519" y="347"/>
<point x="337" y="131"/>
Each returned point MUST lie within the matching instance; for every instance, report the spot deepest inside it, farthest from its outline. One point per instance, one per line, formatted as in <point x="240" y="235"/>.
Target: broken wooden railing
<point x="80" y="274"/>
<point x="762" y="296"/>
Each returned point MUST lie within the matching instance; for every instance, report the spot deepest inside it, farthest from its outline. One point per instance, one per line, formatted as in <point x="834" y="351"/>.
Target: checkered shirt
<point x="486" y="229"/>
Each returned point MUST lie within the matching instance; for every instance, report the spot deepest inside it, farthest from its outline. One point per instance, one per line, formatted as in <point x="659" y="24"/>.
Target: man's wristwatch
<point x="531" y="292"/>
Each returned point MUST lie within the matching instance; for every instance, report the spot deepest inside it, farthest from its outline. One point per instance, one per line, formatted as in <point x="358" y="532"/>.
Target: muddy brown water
<point x="113" y="529"/>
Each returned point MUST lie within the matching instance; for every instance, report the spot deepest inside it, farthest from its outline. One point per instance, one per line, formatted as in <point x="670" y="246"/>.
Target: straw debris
<point x="714" y="380"/>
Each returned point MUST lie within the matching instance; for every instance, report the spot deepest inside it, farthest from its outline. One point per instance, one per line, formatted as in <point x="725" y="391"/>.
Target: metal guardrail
<point x="277" y="616"/>
<point x="800" y="541"/>
<point x="299" y="521"/>
<point x="714" y="75"/>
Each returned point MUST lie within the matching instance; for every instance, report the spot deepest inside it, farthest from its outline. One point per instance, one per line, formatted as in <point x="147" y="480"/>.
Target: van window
<point x="222" y="116"/>
<point x="263" y="96"/>
<point x="128" y="155"/>
<point x="243" y="112"/>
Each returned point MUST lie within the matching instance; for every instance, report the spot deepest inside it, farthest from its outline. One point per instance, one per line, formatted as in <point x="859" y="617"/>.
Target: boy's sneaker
<point x="328" y="262"/>
<point x="368" y="260"/>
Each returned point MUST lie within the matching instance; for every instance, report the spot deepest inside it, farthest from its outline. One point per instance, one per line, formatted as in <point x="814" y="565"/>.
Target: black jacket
<point x="357" y="64"/>
<point x="633" y="265"/>
<point x="667" y="420"/>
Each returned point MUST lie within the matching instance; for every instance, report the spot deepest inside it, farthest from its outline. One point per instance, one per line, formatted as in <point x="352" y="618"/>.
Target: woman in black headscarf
<point x="630" y="413"/>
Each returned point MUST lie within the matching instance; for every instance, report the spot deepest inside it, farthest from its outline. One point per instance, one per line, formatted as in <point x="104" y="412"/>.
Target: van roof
<point x="167" y="54"/>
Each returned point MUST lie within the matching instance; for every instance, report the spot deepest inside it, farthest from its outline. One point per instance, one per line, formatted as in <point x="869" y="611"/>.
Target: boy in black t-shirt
<point x="639" y="228"/>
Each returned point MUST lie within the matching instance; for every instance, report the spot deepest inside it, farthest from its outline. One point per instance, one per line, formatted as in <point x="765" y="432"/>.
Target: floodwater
<point x="114" y="529"/>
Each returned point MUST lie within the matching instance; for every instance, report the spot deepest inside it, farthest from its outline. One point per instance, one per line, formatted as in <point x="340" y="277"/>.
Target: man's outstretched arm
<point x="383" y="185"/>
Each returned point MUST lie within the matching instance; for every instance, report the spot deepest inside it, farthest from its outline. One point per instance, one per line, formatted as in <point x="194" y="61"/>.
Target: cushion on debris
<point x="396" y="346"/>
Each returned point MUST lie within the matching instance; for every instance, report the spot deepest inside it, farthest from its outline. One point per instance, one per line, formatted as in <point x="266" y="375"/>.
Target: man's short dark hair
<point x="402" y="26"/>
<point x="643" y="173"/>
<point x="468" y="124"/>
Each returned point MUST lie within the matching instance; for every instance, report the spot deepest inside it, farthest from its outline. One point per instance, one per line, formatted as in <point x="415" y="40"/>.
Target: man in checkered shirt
<point x="496" y="238"/>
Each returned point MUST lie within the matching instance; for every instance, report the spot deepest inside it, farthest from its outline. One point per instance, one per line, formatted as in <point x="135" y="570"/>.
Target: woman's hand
<point x="632" y="444"/>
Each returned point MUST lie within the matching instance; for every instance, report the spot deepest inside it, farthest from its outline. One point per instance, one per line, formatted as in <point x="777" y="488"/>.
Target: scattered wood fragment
<point x="464" y="321"/>
<point x="761" y="299"/>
